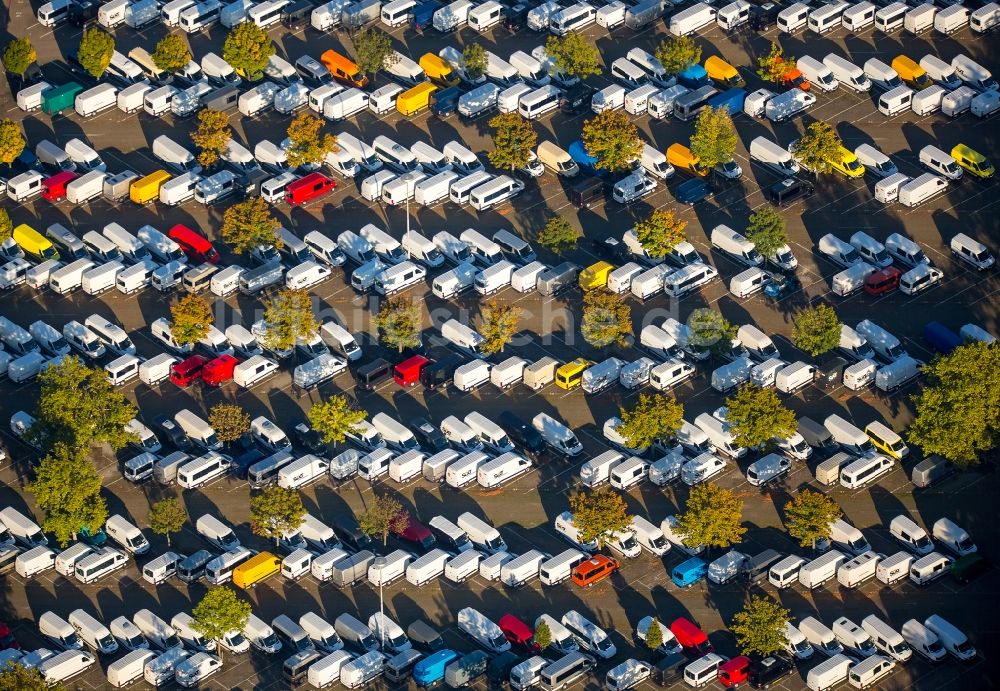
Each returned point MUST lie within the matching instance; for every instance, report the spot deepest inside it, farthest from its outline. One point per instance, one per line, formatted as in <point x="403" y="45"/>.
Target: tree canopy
<point x="229" y="421"/>
<point x="191" y="317"/>
<point x="12" y="141"/>
<point x="773" y="66"/>
<point x="219" y="612"/>
<point x="714" y="140"/>
<point x="309" y="145"/>
<point x="499" y="325"/>
<point x="654" y="417"/>
<point x="607" y="318"/>
<point x="248" y="49"/>
<point x="373" y="50"/>
<point x="958" y="411"/>
<point x="16" y="677"/>
<point x="613" y="139"/>
<point x="766" y="230"/>
<point x="474" y="61"/>
<point x="710" y="330"/>
<point x="382" y="516"/>
<point x="574" y="55"/>
<point x="756" y="416"/>
<point x="275" y="511"/>
<point x="167" y="516"/>
<point x="289" y="317"/>
<point x="808" y="517"/>
<point x="398" y="322"/>
<point x="712" y="517"/>
<point x="250" y="224"/>
<point x="660" y="232"/>
<point x="18" y="55"/>
<point x="599" y="513"/>
<point x="78" y="407"/>
<point x="68" y="490"/>
<point x="677" y="53"/>
<point x="558" y="235"/>
<point x="760" y="626"/>
<point x="816" y="330"/>
<point x="334" y="418"/>
<point x="6" y="226"/>
<point x="211" y="136"/>
<point x="514" y="141"/>
<point x="817" y="147"/>
<point x="96" y="48"/>
<point x="172" y="53"/>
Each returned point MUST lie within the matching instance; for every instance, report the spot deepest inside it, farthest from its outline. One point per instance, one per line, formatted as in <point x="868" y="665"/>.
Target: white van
<point x="923" y="641"/>
<point x="847" y="73"/>
<point x="953" y="538"/>
<point x="953" y="640"/>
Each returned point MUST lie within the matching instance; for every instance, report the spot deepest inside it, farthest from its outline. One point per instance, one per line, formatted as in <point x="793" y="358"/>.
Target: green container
<point x="59" y="98"/>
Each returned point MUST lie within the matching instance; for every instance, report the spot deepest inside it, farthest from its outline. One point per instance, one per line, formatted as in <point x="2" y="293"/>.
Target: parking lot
<point x="525" y="509"/>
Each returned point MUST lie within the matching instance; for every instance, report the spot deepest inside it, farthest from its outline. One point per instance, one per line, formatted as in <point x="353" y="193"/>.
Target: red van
<point x="518" y="634"/>
<point x="407" y="373"/>
<point x="418" y="534"/>
<point x="308" y="188"/>
<point x="734" y="672"/>
<point x="593" y="570"/>
<point x="692" y="639"/>
<point x="188" y="371"/>
<point x="54" y="188"/>
<point x="197" y="248"/>
<point x="218" y="371"/>
<point x="882" y="282"/>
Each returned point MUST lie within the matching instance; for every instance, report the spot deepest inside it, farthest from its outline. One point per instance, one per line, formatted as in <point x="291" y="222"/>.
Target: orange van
<point x="594" y="570"/>
<point x="344" y="70"/>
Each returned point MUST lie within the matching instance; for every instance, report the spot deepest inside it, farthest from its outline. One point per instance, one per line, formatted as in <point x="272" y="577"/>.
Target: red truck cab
<point x="734" y="672"/>
<point x="692" y="639"/>
<point x="197" y="248"/>
<point x="307" y="188"/>
<point x="219" y="370"/>
<point x="188" y="371"/>
<point x="518" y="634"/>
<point x="54" y="188"/>
<point x="883" y="281"/>
<point x="407" y="373"/>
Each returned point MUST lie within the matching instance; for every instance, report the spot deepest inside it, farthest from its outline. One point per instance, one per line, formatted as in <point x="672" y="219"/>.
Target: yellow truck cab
<point x="595" y="276"/>
<point x="723" y="74"/>
<point x="912" y="74"/>
<point x="34" y="244"/>
<point x="887" y="441"/>
<point x="682" y="158"/>
<point x="847" y="164"/>
<point x="438" y="71"/>
<point x="973" y="161"/>
<point x="570" y="375"/>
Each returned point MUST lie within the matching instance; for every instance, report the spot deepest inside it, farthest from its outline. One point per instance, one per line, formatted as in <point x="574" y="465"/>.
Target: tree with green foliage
<point x="816" y="330"/>
<point x="474" y="61"/>
<point x="613" y="139"/>
<point x="677" y="53"/>
<point x="654" y="417"/>
<point x="289" y="318"/>
<point x="334" y="418"/>
<point x="96" y="48"/>
<point x="499" y="324"/>
<point x="514" y="141"/>
<point x="18" y="56"/>
<point x="397" y="322"/>
<point x="958" y="411"/>
<point x="757" y="417"/>
<point x="574" y="55"/>
<point x="16" y="677"/>
<point x="818" y="147"/>
<point x="712" y="517"/>
<point x="766" y="230"/>
<point x="558" y="236"/>
<point x="714" y="140"/>
<point x="383" y="515"/>
<point x="68" y="489"/>
<point x="229" y="421"/>
<point x="654" y="635"/>
<point x="710" y="331"/>
<point x="250" y="224"/>
<point x="78" y="407"/>
<point x="275" y="511"/>
<point x="542" y="636"/>
<point x="607" y="318"/>
<point x="660" y="232"/>
<point x="12" y="141"/>
<point x="167" y="517"/>
<point x="808" y="517"/>
<point x="248" y="49"/>
<point x="760" y="627"/>
<point x="218" y="613"/>
<point x="172" y="54"/>
<point x="598" y="514"/>
<point x="773" y="66"/>
<point x="374" y="51"/>
<point x="308" y="144"/>
<point x="191" y="318"/>
<point x="211" y="136"/>
<point x="6" y="226"/>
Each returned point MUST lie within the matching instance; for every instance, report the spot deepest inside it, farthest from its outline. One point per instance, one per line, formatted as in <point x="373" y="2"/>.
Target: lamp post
<point x="379" y="564"/>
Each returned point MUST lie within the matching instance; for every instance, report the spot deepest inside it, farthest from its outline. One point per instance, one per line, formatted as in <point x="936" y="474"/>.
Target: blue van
<point x="587" y="163"/>
<point x="430" y="670"/>
<point x="941" y="338"/>
<point x="423" y="15"/>
<point x="444" y="102"/>
<point x="689" y="572"/>
<point x="694" y="77"/>
<point x="731" y="99"/>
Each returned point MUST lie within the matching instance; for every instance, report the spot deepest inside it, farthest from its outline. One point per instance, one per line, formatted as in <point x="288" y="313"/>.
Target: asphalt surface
<point x="525" y="509"/>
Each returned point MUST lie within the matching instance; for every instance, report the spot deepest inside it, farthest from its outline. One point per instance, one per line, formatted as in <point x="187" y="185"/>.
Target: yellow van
<point x="256" y="569"/>
<point x="848" y="164"/>
<point x="438" y="71"/>
<point x="887" y="441"/>
<point x="973" y="161"/>
<point x="912" y="74"/>
<point x="682" y="158"/>
<point x="595" y="276"/>
<point x="412" y="101"/>
<point x="34" y="244"/>
<point x="570" y="375"/>
<point x="147" y="188"/>
<point x="723" y="74"/>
